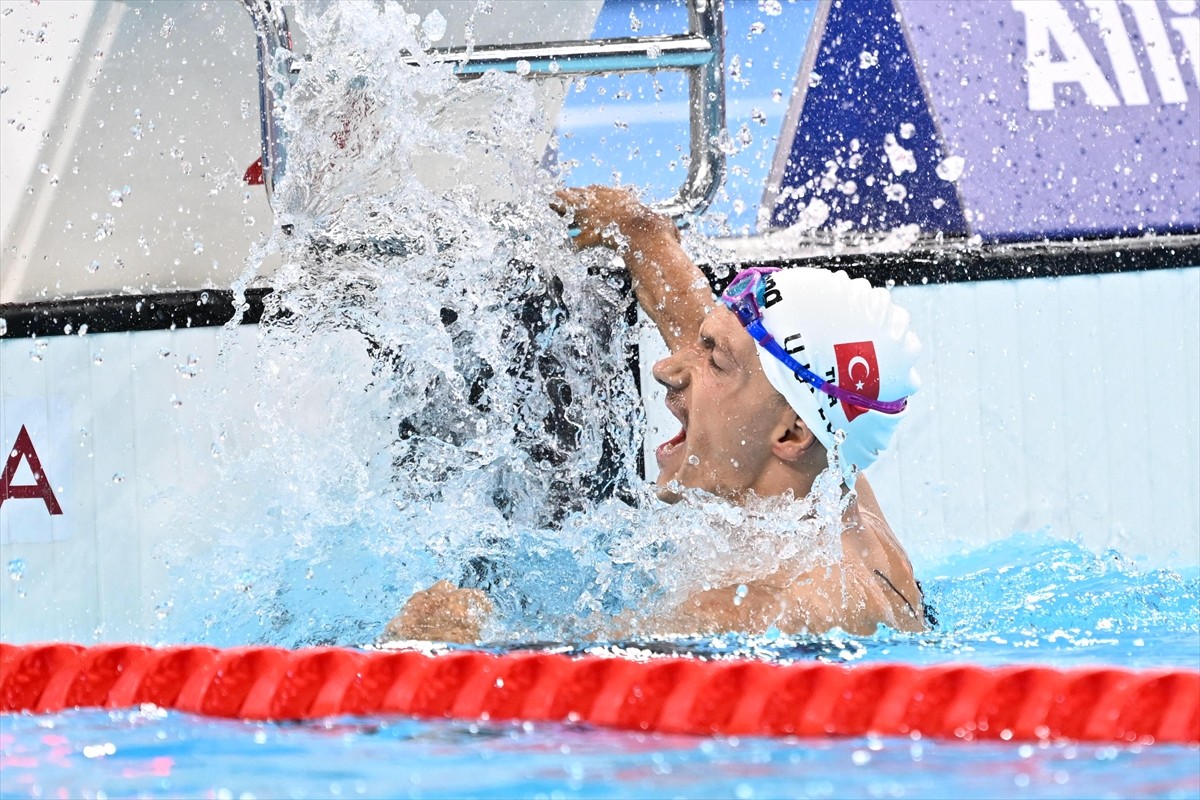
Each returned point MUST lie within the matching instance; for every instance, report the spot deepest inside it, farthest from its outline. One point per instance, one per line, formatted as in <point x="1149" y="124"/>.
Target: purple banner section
<point x="1072" y="118"/>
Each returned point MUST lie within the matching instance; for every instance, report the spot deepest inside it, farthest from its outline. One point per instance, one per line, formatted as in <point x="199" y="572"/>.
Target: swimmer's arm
<point x="670" y="288"/>
<point x="441" y="613"/>
<point x="815" y="602"/>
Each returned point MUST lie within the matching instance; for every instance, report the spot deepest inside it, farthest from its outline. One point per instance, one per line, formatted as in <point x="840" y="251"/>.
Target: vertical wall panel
<point x="75" y="581"/>
<point x="115" y="467"/>
<point x="1085" y="406"/>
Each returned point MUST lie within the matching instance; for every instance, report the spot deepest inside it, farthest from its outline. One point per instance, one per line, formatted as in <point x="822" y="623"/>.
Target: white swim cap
<point x="852" y="334"/>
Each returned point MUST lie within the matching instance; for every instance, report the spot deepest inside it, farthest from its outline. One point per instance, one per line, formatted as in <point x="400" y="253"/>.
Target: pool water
<point x="156" y="753"/>
<point x="1027" y="599"/>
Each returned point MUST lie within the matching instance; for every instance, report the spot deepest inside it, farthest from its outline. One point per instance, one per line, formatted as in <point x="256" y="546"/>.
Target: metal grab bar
<point x="700" y="53"/>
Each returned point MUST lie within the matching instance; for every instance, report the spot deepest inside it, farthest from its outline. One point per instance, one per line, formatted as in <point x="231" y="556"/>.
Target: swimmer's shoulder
<point x="882" y="560"/>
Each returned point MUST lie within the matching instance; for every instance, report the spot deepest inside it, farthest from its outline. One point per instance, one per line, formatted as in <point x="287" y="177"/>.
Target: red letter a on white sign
<point x="41" y="490"/>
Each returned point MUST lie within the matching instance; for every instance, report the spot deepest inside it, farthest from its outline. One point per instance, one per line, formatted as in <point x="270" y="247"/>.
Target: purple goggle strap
<point x="744" y="303"/>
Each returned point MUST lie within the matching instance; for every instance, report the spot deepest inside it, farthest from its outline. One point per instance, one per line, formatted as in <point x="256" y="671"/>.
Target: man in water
<point x="764" y="381"/>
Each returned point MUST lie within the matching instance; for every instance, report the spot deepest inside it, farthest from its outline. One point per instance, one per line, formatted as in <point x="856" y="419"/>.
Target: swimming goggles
<point x="744" y="297"/>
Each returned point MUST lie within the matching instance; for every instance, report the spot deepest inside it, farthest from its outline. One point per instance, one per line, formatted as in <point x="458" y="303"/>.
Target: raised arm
<point x="670" y="288"/>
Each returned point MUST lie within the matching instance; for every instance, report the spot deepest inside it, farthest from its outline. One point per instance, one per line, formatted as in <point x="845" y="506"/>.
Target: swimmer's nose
<point x="669" y="372"/>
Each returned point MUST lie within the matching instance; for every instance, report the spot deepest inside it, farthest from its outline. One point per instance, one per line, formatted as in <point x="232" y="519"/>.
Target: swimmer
<point x="761" y="380"/>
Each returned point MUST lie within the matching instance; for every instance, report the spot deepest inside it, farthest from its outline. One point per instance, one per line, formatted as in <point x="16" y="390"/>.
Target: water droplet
<point x="756" y="28"/>
<point x="116" y="198"/>
<point x="653" y="51"/>
<point x="899" y="157"/>
<point x="94" y="265"/>
<point x="197" y="247"/>
<point x="168" y="27"/>
<point x="950" y="168"/>
<point x="44" y="169"/>
<point x="895" y="192"/>
<point x="523" y="67"/>
<point x="3" y="326"/>
<point x="635" y="24"/>
<point x="744" y="137"/>
<point x="162" y="610"/>
<point x="868" y="59"/>
<point x="694" y="460"/>
<point x="175" y="402"/>
<point x="814" y="80"/>
<point x="190" y="369"/>
<point x="772" y="8"/>
<point x="860" y="758"/>
<point x="907" y="129"/>
<point x="758" y="116"/>
<point x="434" y="26"/>
<point x="16" y="569"/>
<point x="118" y="478"/>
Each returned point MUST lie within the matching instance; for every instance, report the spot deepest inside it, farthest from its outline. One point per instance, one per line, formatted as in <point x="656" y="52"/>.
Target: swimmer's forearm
<point x="670" y="288"/>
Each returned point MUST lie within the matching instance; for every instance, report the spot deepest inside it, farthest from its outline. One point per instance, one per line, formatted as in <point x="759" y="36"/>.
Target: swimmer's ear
<point x="791" y="437"/>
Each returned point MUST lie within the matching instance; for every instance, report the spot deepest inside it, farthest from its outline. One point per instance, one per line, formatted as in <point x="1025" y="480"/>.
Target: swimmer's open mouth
<point x="675" y="443"/>
<point x="671" y="446"/>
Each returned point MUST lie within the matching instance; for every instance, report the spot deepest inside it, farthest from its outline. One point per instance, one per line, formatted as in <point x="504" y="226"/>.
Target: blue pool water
<point x="167" y="754"/>
<point x="1027" y="599"/>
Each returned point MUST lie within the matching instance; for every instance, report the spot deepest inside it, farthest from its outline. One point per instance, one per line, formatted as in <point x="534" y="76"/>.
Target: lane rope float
<point x="680" y="695"/>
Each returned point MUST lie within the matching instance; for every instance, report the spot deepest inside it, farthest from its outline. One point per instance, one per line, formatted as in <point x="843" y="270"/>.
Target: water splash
<point x="445" y="385"/>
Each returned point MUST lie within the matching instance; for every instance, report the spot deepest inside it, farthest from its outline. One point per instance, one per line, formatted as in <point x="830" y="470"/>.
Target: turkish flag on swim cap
<point x="858" y="371"/>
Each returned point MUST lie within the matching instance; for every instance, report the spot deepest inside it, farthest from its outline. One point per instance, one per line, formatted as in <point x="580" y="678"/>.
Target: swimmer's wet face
<point x="731" y="416"/>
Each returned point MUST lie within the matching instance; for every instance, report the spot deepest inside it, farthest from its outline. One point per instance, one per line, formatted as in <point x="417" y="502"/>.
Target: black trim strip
<point x="958" y="264"/>
<point x="119" y="313"/>
<point x="916" y="266"/>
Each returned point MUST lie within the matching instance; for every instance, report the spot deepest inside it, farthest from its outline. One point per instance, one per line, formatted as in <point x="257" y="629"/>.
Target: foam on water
<point x="445" y="386"/>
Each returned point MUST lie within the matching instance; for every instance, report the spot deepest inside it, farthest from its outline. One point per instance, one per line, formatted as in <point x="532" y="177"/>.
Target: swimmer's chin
<point x="670" y="492"/>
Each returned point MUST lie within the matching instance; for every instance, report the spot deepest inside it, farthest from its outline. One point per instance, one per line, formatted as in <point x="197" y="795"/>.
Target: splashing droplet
<point x="16" y="569"/>
<point x="434" y="26"/>
<point x="950" y="168"/>
<point x="523" y="67"/>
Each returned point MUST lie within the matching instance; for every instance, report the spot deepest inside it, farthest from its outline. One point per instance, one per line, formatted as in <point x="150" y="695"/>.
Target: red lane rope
<point x="671" y="695"/>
